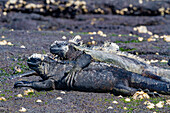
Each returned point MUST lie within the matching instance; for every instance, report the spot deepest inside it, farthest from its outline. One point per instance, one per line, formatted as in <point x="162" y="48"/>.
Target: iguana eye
<point x="43" y="64"/>
<point x="58" y="45"/>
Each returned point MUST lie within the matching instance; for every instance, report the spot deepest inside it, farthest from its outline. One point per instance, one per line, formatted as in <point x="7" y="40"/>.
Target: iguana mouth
<point x="32" y="64"/>
<point x="56" y="51"/>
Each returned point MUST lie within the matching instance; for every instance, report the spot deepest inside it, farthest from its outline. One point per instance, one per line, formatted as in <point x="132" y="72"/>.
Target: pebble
<point x="150" y="33"/>
<point x="127" y="99"/>
<point x="160" y="104"/>
<point x="91" y="38"/>
<point x="110" y="107"/>
<point x="140" y="95"/>
<point x="38" y="100"/>
<point x="2" y="36"/>
<point x="164" y="61"/>
<point x="4" y="13"/>
<point x="120" y="96"/>
<point x="151" y="39"/>
<point x="157" y="53"/>
<point x="100" y="32"/>
<point x="62" y="92"/>
<point x="9" y="43"/>
<point x="17" y="69"/>
<point x="71" y="32"/>
<point x="115" y="102"/>
<point x="153" y="61"/>
<point x="64" y="37"/>
<point x="78" y="37"/>
<point x="130" y="35"/>
<point x="94" y="33"/>
<point x="2" y="98"/>
<point x="146" y="103"/>
<point x="104" y="35"/>
<point x="168" y="102"/>
<point x="3" y="42"/>
<point x="19" y="95"/>
<point x="22" y="46"/>
<point x="93" y="42"/>
<point x="167" y="38"/>
<point x="142" y="29"/>
<point x="58" y="98"/>
<point x="125" y="108"/>
<point x="140" y="38"/>
<point x="26" y="92"/>
<point x="150" y="106"/>
<point x="11" y="29"/>
<point x="156" y="36"/>
<point x="22" y="109"/>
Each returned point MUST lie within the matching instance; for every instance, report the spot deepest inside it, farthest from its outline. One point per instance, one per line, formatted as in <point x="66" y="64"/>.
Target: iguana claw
<point x="70" y="78"/>
<point x="152" y="94"/>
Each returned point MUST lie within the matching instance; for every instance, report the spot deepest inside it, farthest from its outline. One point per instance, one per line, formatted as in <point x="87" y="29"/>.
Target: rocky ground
<point x="143" y="32"/>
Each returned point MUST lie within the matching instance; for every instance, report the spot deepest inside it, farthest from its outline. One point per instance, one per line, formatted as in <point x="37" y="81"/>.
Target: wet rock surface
<point x="143" y="32"/>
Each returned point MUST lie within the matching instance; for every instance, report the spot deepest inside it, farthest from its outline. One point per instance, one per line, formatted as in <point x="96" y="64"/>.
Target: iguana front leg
<point x="123" y="90"/>
<point x="38" y="85"/>
<point x="80" y="63"/>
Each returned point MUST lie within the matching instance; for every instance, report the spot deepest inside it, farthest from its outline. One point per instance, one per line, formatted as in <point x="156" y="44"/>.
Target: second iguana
<point x="109" y="54"/>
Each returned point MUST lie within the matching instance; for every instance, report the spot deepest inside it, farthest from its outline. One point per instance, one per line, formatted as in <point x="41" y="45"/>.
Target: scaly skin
<point x="133" y="64"/>
<point x="96" y="77"/>
<point x="109" y="53"/>
<point x="73" y="69"/>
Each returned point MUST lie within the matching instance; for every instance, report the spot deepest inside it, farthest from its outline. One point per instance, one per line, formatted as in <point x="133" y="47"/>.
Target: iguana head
<point x="40" y="63"/>
<point x="59" y="48"/>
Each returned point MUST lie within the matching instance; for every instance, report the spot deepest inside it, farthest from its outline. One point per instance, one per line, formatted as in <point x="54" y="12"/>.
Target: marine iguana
<point x="109" y="54"/>
<point x="94" y="76"/>
<point x="68" y="52"/>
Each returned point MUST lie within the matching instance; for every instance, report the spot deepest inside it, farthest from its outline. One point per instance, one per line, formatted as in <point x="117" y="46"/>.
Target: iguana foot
<point x="144" y="94"/>
<point x="22" y="84"/>
<point x="152" y="94"/>
<point x="38" y="85"/>
<point x="70" y="79"/>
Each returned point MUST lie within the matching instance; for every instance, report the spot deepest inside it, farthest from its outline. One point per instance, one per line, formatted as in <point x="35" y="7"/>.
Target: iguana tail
<point x="165" y="73"/>
<point x="150" y="84"/>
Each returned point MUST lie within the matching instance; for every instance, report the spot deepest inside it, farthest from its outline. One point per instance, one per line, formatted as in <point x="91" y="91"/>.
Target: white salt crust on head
<point x="36" y="55"/>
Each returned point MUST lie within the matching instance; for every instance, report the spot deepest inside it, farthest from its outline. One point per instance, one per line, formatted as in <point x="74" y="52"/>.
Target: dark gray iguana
<point x="80" y="73"/>
<point x="96" y="77"/>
